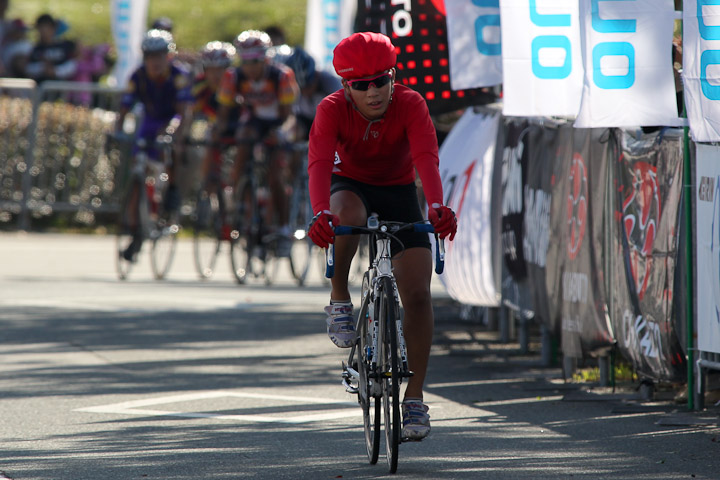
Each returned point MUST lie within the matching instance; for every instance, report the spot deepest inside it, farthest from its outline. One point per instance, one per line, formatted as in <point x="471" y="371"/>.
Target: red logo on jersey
<point x="577" y="205"/>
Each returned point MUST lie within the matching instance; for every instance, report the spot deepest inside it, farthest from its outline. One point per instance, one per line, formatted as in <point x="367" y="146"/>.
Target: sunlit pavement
<point x="189" y="379"/>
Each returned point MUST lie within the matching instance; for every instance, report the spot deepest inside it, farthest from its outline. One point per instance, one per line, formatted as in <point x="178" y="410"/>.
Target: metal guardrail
<point x="53" y="155"/>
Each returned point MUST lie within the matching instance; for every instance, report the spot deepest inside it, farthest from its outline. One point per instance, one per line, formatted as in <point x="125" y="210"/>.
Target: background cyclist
<point x="365" y="144"/>
<point x="314" y="86"/>
<point x="164" y="91"/>
<point x="267" y="91"/>
<point x="215" y="58"/>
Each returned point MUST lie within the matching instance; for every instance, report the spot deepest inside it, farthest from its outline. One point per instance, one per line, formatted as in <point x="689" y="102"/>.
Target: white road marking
<point x="135" y="407"/>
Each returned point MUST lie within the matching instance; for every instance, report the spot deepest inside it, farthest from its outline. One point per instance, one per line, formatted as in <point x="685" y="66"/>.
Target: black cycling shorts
<point x="397" y="203"/>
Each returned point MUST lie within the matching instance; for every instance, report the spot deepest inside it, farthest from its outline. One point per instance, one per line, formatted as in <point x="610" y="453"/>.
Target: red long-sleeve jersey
<point x="379" y="152"/>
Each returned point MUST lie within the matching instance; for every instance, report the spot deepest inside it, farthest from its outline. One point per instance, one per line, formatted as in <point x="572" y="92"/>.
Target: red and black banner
<point x="648" y="189"/>
<point x="418" y="29"/>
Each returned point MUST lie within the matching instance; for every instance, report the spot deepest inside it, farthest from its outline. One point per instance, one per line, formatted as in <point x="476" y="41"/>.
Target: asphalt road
<point x="187" y="379"/>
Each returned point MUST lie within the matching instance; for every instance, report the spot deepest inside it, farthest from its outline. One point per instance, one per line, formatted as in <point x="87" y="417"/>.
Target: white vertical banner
<point x="467" y="160"/>
<point x="327" y="22"/>
<point x="629" y="78"/>
<point x="128" y="19"/>
<point x="473" y="28"/>
<point x="707" y="257"/>
<point x="701" y="68"/>
<point x="541" y="58"/>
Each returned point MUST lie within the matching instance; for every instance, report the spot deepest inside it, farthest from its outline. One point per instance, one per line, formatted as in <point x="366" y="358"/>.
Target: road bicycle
<point x="377" y="362"/>
<point x="254" y="243"/>
<point x="143" y="216"/>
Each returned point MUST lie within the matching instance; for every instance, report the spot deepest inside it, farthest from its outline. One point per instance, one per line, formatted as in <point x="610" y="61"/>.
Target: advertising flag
<point x="467" y="167"/>
<point x="327" y="22"/>
<point x="707" y="210"/>
<point x="474" y="43"/>
<point x="128" y="22"/>
<point x="629" y="78"/>
<point x="541" y="58"/>
<point x="701" y="68"/>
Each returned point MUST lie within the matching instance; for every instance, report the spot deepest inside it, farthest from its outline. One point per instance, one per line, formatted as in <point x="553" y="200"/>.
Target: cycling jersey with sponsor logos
<point x="276" y="88"/>
<point x="379" y="152"/>
<point x="159" y="98"/>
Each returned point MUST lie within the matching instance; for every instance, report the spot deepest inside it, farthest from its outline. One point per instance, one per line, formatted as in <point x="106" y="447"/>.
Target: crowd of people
<point x="52" y="56"/>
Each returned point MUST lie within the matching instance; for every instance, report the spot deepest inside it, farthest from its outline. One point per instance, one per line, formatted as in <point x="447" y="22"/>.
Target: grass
<point x="195" y="23"/>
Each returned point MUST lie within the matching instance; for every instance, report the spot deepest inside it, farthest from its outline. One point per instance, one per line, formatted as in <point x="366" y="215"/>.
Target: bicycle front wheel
<point x="164" y="244"/>
<point x="368" y="398"/>
<point x="244" y="235"/>
<point x="207" y="232"/>
<point x="300" y="216"/>
<point x="129" y="235"/>
<point x="389" y="313"/>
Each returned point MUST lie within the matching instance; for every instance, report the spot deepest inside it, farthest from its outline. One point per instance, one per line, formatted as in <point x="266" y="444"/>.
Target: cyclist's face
<point x="254" y="68"/>
<point x="156" y="64"/>
<point x="213" y="77"/>
<point x="373" y="102"/>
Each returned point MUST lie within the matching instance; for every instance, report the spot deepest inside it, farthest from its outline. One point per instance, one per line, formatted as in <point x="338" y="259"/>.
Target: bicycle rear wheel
<point x="389" y="311"/>
<point x="164" y="244"/>
<point x="369" y="401"/>
<point x="244" y="235"/>
<point x="207" y="232"/>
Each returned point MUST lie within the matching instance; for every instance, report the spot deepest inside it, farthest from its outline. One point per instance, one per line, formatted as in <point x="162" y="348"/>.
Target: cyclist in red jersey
<point x="267" y="92"/>
<point x="366" y="142"/>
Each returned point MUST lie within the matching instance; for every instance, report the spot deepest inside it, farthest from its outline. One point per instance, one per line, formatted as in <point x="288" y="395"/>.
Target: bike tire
<point x="370" y="403"/>
<point x="244" y="235"/>
<point x="124" y="235"/>
<point x="300" y="215"/>
<point x="389" y="311"/>
<point x="207" y="232"/>
<point x="164" y="244"/>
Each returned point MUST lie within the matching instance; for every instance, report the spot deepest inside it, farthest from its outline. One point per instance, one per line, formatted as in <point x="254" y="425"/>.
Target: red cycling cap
<point x="363" y="54"/>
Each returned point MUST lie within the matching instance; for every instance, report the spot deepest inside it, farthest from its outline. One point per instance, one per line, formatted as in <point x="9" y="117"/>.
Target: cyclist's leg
<point x="351" y="210"/>
<point x="246" y="134"/>
<point x="413" y="272"/>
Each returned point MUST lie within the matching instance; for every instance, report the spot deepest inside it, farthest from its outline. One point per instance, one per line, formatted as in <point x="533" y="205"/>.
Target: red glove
<point x="321" y="230"/>
<point x="444" y="220"/>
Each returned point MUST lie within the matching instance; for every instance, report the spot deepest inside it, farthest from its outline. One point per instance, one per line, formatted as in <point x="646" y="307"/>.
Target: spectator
<point x="52" y="58"/>
<point x="4" y="24"/>
<point x="15" y="49"/>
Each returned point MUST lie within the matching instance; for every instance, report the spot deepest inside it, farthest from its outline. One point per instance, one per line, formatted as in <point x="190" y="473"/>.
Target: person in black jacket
<point x="52" y="58"/>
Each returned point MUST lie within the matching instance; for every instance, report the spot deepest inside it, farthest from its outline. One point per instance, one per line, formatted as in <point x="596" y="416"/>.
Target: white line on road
<point x="135" y="407"/>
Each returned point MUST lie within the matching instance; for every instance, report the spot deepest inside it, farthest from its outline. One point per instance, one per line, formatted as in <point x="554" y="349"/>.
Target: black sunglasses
<point x="363" y="84"/>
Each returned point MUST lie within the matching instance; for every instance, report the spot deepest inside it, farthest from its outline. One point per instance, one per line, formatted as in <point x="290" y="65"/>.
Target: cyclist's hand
<point x="321" y="230"/>
<point x="444" y="220"/>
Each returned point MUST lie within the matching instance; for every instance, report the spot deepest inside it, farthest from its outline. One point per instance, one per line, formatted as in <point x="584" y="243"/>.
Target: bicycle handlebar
<point x="386" y="229"/>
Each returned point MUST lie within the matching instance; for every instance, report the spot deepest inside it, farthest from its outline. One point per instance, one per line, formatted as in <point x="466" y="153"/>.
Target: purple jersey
<point x="160" y="99"/>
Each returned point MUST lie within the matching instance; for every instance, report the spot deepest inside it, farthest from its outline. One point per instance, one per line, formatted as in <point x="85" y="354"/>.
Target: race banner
<point x="648" y="179"/>
<point x="540" y="248"/>
<point x="327" y="22"/>
<point x="474" y="42"/>
<point x="707" y="266"/>
<point x="467" y="167"/>
<point x="701" y="68"/>
<point x="629" y="78"/>
<point x="514" y="176"/>
<point x="577" y="221"/>
<point x="128" y="19"/>
<point x="418" y="29"/>
<point x="541" y="58"/>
